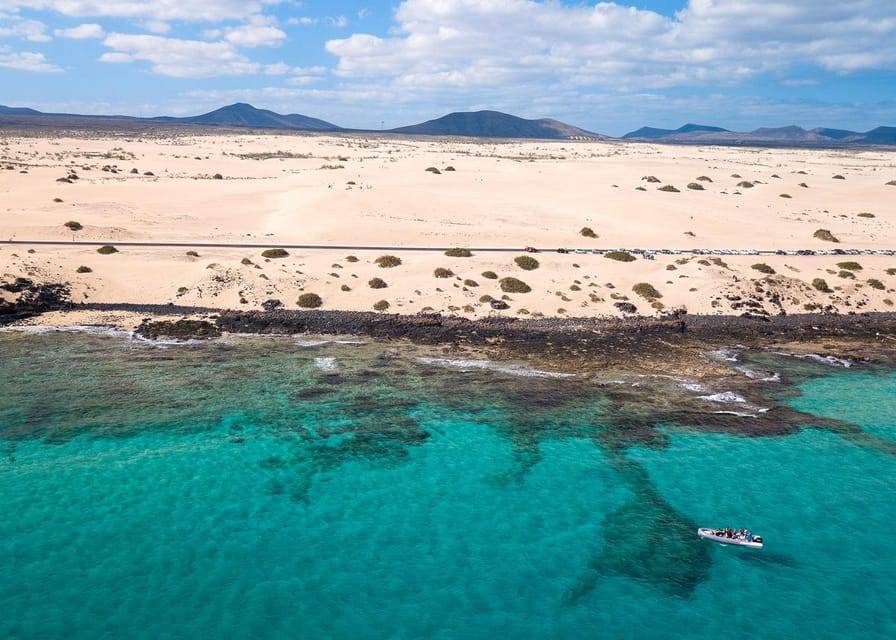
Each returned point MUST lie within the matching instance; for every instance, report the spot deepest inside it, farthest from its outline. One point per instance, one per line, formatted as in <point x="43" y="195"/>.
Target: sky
<point x="609" y="67"/>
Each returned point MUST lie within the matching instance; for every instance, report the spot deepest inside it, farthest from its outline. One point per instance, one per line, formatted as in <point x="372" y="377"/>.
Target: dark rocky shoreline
<point x="542" y="335"/>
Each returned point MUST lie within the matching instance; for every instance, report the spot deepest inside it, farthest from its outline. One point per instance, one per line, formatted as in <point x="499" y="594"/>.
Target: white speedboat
<point x="737" y="537"/>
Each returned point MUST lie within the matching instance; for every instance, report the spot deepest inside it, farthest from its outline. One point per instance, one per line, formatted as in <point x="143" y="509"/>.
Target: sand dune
<point x="285" y="189"/>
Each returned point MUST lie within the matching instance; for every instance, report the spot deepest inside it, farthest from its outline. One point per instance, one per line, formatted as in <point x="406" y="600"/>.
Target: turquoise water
<point x="251" y="491"/>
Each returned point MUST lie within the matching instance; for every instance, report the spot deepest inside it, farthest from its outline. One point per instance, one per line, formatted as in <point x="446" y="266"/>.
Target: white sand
<point x="502" y="195"/>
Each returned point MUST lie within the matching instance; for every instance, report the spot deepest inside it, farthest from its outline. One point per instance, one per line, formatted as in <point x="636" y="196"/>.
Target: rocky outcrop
<point x="178" y="330"/>
<point x="23" y="298"/>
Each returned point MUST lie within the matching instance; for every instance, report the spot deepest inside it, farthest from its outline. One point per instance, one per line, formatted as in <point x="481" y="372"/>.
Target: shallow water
<point x="274" y="488"/>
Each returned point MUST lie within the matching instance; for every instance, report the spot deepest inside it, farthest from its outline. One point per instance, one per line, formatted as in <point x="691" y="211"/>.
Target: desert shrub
<point x="826" y="235"/>
<point x="874" y="283"/>
<point x="821" y="285"/>
<point x="351" y="258"/>
<point x="695" y="186"/>
<point x="746" y="184"/>
<point x="377" y="283"/>
<point x="891" y="272"/>
<point x="513" y="285"/>
<point x="850" y="265"/>
<point x="218" y="176"/>
<point x="470" y="283"/>
<point x="839" y="177"/>
<point x="380" y="305"/>
<point x="433" y="170"/>
<point x="73" y="225"/>
<point x="449" y="168"/>
<point x="785" y="195"/>
<point x="587" y="232"/>
<point x="526" y="263"/>
<point x="668" y="188"/>
<point x="891" y="183"/>
<point x="387" y="262"/>
<point x="309" y="301"/>
<point x="847" y="274"/>
<point x="345" y="287"/>
<point x="651" y="179"/>
<point x="441" y="272"/>
<point x="647" y="290"/>
<point x="181" y="290"/>
<point x="274" y="253"/>
<point x="195" y="254"/>
<point x="459" y="253"/>
<point x="620" y="256"/>
<point x="107" y="249"/>
<point x="761" y="267"/>
<point x="83" y="269"/>
<point x="704" y="179"/>
<point x="489" y="275"/>
<point x="865" y="214"/>
<point x="57" y="200"/>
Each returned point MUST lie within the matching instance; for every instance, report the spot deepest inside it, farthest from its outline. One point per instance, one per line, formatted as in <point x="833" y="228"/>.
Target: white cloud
<point x="12" y="25"/>
<point x="157" y="26"/>
<point x="161" y="10"/>
<point x="26" y="61"/>
<point x="81" y="32"/>
<point x="302" y="20"/>
<point x="259" y="31"/>
<point x="337" y="21"/>
<point x="179" y="58"/>
<point x="473" y="45"/>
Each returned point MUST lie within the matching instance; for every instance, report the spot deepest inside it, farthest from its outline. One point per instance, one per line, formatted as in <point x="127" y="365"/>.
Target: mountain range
<point x="779" y="136"/>
<point x="475" y="124"/>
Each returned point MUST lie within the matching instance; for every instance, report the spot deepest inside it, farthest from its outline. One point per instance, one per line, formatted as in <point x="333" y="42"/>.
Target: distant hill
<point x="234" y="115"/>
<point x="17" y="111"/>
<point x="494" y="124"/>
<point x="766" y="136"/>
<point x="649" y="133"/>
<point x="245" y="115"/>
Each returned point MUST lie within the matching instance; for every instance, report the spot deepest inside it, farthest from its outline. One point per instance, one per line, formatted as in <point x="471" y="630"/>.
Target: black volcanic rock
<point x="178" y="330"/>
<point x="494" y="124"/>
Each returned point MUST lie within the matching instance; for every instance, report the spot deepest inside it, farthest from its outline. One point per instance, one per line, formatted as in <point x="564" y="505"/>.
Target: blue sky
<point x="609" y="67"/>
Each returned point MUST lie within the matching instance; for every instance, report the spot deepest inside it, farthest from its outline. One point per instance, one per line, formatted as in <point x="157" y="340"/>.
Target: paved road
<point x="348" y="247"/>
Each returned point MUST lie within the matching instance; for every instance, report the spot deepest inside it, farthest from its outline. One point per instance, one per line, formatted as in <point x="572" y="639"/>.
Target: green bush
<point x="387" y="262"/>
<point x="459" y="253"/>
<point x="107" y="249"/>
<point x="274" y="253"/>
<point x="382" y="305"/>
<point x="621" y="256"/>
<point x="587" y="232"/>
<point x="377" y="283"/>
<point x="513" y="285"/>
<point x="526" y="263"/>
<point x="646" y="290"/>
<point x="310" y="301"/>
<point x="826" y="235"/>
<point x="761" y="267"/>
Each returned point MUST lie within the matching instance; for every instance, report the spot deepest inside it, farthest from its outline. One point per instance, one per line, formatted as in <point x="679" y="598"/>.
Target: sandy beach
<point x="191" y="186"/>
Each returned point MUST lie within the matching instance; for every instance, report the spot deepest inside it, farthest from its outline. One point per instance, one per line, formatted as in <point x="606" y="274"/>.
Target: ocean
<point x="284" y="487"/>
